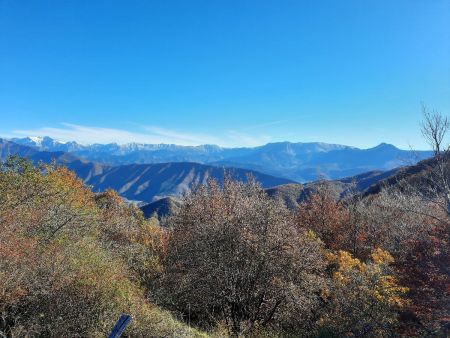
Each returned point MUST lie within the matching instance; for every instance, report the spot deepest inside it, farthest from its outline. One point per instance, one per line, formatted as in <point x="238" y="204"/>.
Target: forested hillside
<point x="72" y="261"/>
<point x="225" y="169"/>
<point x="229" y="260"/>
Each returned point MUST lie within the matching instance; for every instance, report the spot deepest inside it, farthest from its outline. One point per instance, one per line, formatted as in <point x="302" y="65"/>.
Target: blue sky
<point x="226" y="72"/>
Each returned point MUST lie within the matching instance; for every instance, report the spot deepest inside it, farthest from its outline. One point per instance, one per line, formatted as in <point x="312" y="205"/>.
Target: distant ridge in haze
<point x="301" y="162"/>
<point x="139" y="182"/>
<point x="161" y="208"/>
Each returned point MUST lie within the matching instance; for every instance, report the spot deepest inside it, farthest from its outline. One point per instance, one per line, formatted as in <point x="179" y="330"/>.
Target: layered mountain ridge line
<point x="300" y="162"/>
<point x="158" y="187"/>
<point x="139" y="182"/>
<point x="293" y="194"/>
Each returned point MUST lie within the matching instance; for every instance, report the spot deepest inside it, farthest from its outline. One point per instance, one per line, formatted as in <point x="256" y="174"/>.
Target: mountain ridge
<point x="139" y="182"/>
<point x="301" y="161"/>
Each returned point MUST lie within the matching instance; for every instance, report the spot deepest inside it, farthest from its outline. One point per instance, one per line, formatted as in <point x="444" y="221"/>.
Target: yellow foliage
<point x="380" y="256"/>
<point x="344" y="261"/>
<point x="67" y="258"/>
<point x="369" y="276"/>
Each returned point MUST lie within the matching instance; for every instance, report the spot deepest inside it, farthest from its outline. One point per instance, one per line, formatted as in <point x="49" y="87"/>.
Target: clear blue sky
<point x="228" y="72"/>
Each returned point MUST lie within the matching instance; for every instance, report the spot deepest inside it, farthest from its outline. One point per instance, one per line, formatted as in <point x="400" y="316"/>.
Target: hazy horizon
<point x="82" y="135"/>
<point x="37" y="138"/>
<point x="235" y="73"/>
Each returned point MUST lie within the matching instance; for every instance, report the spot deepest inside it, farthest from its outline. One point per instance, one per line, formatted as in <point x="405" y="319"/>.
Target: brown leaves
<point x="69" y="262"/>
<point x="325" y="216"/>
<point x="233" y="254"/>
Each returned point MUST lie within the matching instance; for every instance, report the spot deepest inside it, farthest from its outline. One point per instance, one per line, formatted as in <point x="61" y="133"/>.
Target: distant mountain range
<point x="139" y="182"/>
<point x="158" y="186"/>
<point x="301" y="162"/>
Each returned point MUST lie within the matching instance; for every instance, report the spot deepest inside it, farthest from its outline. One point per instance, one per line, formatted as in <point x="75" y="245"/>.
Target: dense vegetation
<point x="230" y="261"/>
<point x="71" y="261"/>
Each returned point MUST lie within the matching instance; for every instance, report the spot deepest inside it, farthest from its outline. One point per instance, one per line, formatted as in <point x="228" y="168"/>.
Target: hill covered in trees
<point x="72" y="261"/>
<point x="230" y="259"/>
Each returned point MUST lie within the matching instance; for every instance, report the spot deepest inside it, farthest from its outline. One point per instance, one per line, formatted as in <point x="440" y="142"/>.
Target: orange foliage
<point x="325" y="216"/>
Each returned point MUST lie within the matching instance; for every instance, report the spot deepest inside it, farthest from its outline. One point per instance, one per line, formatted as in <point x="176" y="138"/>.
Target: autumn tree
<point x="419" y="237"/>
<point x="44" y="200"/>
<point x="410" y="219"/>
<point x="63" y="268"/>
<point x="126" y="233"/>
<point x="235" y="256"/>
<point x="426" y="196"/>
<point x="324" y="215"/>
<point x="435" y="129"/>
<point x="364" y="297"/>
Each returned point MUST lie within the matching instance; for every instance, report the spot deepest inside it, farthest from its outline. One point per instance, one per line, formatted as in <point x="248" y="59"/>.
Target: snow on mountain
<point x="301" y="162"/>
